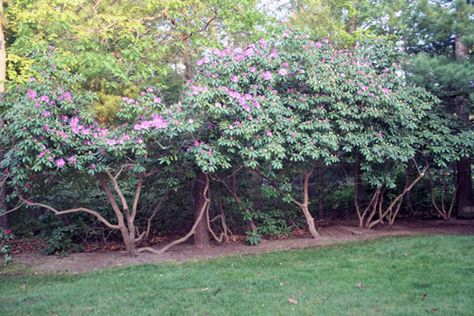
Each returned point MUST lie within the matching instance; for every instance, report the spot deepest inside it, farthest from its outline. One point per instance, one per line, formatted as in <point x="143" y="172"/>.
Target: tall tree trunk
<point x="201" y="234"/>
<point x="352" y="24"/>
<point x="464" y="194"/>
<point x="305" y="205"/>
<point x="188" y="60"/>
<point x="3" y="77"/>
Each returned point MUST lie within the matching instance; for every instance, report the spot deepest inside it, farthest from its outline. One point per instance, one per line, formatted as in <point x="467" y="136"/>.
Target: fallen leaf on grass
<point x="359" y="285"/>
<point x="205" y="289"/>
<point x="292" y="300"/>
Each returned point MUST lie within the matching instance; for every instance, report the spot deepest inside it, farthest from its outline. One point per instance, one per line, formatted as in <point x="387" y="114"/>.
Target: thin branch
<point x="110" y="196"/>
<point x="70" y="211"/>
<point x="137" y="196"/>
<point x="119" y="193"/>
<point x="12" y="210"/>
<point x="146" y="233"/>
<point x="196" y="223"/>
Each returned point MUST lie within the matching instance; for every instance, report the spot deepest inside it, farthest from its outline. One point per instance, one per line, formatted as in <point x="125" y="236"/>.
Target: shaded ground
<point x="83" y="262"/>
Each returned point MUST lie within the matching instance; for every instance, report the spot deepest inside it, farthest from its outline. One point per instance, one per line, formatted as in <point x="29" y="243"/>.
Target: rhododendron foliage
<point x="294" y="103"/>
<point x="52" y="129"/>
<point x="52" y="134"/>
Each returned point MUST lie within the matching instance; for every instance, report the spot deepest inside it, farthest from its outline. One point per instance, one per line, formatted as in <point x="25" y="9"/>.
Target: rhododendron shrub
<point x="293" y="104"/>
<point x="52" y="134"/>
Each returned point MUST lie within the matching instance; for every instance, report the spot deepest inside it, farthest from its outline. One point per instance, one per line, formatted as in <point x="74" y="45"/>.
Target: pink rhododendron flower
<point x="268" y="133"/>
<point x="60" y="162"/>
<point x="157" y="100"/>
<point x="44" y="98"/>
<point x="267" y="75"/>
<point x="282" y="72"/>
<point x="249" y="52"/>
<point x="158" y="121"/>
<point x="32" y="94"/>
<point x="273" y="53"/>
<point x="234" y="78"/>
<point x="66" y="96"/>
<point x="72" y="160"/>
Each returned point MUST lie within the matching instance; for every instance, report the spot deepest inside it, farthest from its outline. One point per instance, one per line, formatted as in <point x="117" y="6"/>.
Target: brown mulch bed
<point x="332" y="234"/>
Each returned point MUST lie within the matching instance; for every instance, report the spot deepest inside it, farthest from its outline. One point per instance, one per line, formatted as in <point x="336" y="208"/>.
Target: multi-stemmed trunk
<point x="304" y="205"/>
<point x="124" y="214"/>
<point x="200" y="195"/>
<point x="375" y="213"/>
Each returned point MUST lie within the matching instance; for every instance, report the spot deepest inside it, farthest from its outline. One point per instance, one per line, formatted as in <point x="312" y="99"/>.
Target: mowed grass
<point x="393" y="276"/>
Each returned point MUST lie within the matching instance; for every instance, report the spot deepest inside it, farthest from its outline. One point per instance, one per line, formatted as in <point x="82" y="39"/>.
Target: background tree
<point x="440" y="39"/>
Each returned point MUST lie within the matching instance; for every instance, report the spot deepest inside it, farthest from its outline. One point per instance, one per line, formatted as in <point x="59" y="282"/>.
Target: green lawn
<point x="395" y="276"/>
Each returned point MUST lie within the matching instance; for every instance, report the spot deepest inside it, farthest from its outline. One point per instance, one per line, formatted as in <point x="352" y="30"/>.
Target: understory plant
<point x="6" y="235"/>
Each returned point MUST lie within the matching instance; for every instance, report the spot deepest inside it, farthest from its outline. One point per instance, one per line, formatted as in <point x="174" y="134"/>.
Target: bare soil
<point x="333" y="234"/>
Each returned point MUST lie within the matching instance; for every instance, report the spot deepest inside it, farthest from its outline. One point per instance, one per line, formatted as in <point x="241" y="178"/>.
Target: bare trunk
<point x="352" y="24"/>
<point x="464" y="194"/>
<point x="200" y="189"/>
<point x="305" y="206"/>
<point x="464" y="198"/>
<point x="188" y="61"/>
<point x="201" y="233"/>
<point x="129" y="242"/>
<point x="202" y="213"/>
<point x="394" y="206"/>
<point x="460" y="49"/>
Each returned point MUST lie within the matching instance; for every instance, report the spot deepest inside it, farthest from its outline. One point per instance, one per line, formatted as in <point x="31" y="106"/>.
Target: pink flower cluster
<point x="195" y="90"/>
<point x="245" y="100"/>
<point x="157" y="121"/>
